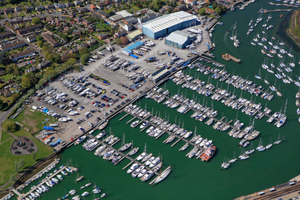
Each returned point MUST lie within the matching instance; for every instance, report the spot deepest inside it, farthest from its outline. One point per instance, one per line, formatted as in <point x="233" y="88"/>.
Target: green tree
<point x="44" y="48"/>
<point x="218" y="10"/>
<point x="39" y="38"/>
<point x="25" y="83"/>
<point x="202" y="11"/>
<point x="84" y="58"/>
<point x="2" y="29"/>
<point x="119" y="41"/>
<point x="35" y="20"/>
<point x="10" y="126"/>
<point x="83" y="50"/>
<point x="16" y="72"/>
<point x="40" y="43"/>
<point x="1" y="104"/>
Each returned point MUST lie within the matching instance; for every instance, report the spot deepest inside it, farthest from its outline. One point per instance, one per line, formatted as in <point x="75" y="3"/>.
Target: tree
<point x="83" y="50"/>
<point x="119" y="41"/>
<point x="10" y="126"/>
<point x="1" y="104"/>
<point x="40" y="44"/>
<point x="218" y="10"/>
<point x="202" y="11"/>
<point x="2" y="29"/>
<point x="35" y="20"/>
<point x="39" y="38"/>
<point x="84" y="58"/>
<point x="16" y="72"/>
<point x="25" y="83"/>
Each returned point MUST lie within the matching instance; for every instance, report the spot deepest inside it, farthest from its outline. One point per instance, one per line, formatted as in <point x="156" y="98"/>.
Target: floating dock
<point x="229" y="57"/>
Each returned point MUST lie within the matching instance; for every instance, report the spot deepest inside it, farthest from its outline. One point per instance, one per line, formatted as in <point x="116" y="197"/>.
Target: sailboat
<point x="260" y="146"/>
<point x="258" y="76"/>
<point x="234" y="159"/>
<point x="290" y="53"/>
<point x="251" y="150"/>
<point x="278" y="141"/>
<point x="265" y="80"/>
<point x="225" y="164"/>
<point x="269" y="145"/>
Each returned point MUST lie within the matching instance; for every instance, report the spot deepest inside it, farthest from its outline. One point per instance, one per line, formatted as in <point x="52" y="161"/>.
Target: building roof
<point x="167" y="21"/>
<point x="6" y="34"/>
<point x="124" y="13"/>
<point x="134" y="34"/>
<point x="178" y="37"/>
<point x="23" y="53"/>
<point x="50" y="39"/>
<point x="133" y="46"/>
<point x="160" y="73"/>
<point x="13" y="45"/>
<point x="116" y="17"/>
<point x="29" y="28"/>
<point x="33" y="37"/>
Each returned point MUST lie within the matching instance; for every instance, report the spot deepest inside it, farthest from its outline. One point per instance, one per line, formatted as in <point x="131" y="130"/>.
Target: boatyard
<point x="135" y="113"/>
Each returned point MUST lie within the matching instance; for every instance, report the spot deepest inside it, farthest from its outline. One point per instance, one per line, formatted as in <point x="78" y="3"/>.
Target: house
<point x="83" y="10"/>
<point x="8" y="10"/>
<point x="116" y="18"/>
<point x="23" y="54"/>
<point x="32" y="38"/>
<point x="103" y="36"/>
<point x="13" y="45"/>
<point x="59" y="5"/>
<point x="70" y="4"/>
<point x="126" y="27"/>
<point x="77" y="3"/>
<point x="83" y="45"/>
<point x="162" y="10"/>
<point x="39" y="8"/>
<point x="50" y="6"/>
<point x="42" y="17"/>
<point x="50" y="19"/>
<point x="49" y="39"/>
<point x="27" y="19"/>
<point x="66" y="29"/>
<point x="103" y="14"/>
<point x="78" y="19"/>
<point x="209" y="11"/>
<point x="29" y="9"/>
<point x="130" y="20"/>
<point x="28" y="29"/>
<point x="76" y="32"/>
<point x="43" y="64"/>
<point x="92" y="42"/>
<point x="71" y="14"/>
<point x="6" y="35"/>
<point x="100" y="5"/>
<point x="108" y="2"/>
<point x="16" y="20"/>
<point x="93" y="7"/>
<point x="91" y="28"/>
<point x="30" y="69"/>
<point x="86" y="22"/>
<point x="120" y="33"/>
<point x="1" y="12"/>
<point x="181" y="7"/>
<point x="5" y="92"/>
<point x="18" y="9"/>
<point x="74" y="50"/>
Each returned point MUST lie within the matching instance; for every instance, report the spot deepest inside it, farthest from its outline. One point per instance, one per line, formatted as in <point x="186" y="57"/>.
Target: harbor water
<point x="191" y="178"/>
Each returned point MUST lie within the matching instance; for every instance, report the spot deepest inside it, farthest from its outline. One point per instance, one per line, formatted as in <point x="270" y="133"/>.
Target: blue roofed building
<point x="128" y="50"/>
<point x="167" y="24"/>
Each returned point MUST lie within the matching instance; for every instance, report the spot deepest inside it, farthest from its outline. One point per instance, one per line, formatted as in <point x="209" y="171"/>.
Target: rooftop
<point x="178" y="37"/>
<point x="124" y="13"/>
<point x="167" y="21"/>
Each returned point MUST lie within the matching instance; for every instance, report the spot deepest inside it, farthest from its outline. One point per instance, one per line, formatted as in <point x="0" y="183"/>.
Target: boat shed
<point x="167" y="24"/>
<point x="179" y="39"/>
<point x="160" y="74"/>
<point x="128" y="50"/>
<point x="134" y="35"/>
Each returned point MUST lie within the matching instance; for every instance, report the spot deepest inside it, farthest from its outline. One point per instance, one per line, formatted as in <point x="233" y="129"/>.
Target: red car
<point x="39" y="98"/>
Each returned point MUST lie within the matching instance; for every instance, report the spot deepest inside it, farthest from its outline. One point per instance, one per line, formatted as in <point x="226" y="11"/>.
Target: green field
<point x="4" y="136"/>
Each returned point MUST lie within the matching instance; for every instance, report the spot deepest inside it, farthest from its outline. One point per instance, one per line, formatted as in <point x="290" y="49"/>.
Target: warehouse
<point x="167" y="24"/>
<point x="160" y="74"/>
<point x="128" y="50"/>
<point x="179" y="39"/>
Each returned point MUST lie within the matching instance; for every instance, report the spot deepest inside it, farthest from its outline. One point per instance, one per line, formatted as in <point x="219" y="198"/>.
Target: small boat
<point x="79" y="178"/>
<point x="96" y="190"/>
<point x="85" y="194"/>
<point x="102" y="126"/>
<point x="104" y="195"/>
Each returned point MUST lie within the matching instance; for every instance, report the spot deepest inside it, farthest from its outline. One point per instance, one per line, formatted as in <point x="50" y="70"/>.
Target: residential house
<point x="103" y="14"/>
<point x="115" y="18"/>
<point x="16" y="20"/>
<point x="50" y="6"/>
<point x="76" y="32"/>
<point x="23" y="54"/>
<point x="91" y="28"/>
<point x="72" y="15"/>
<point x="50" y="39"/>
<point x="29" y="9"/>
<point x="42" y="17"/>
<point x="6" y="34"/>
<point x="59" y="5"/>
<point x="32" y="38"/>
<point x="5" y="92"/>
<point x="93" y="7"/>
<point x="66" y="29"/>
<point x="77" y="3"/>
<point x="92" y="42"/>
<point x="83" y="45"/>
<point x="83" y="10"/>
<point x="78" y="19"/>
<point x="49" y="19"/>
<point x="86" y="22"/>
<point x="103" y="36"/>
<point x="130" y="20"/>
<point x="11" y="46"/>
<point x="27" y="19"/>
<point x="209" y="11"/>
<point x="181" y="7"/>
<point x="108" y="2"/>
<point x="1" y="12"/>
<point x="28" y="29"/>
<point x="74" y="50"/>
<point x="39" y="8"/>
<point x="8" y="10"/>
<point x="30" y="69"/>
<point x="120" y="33"/>
<point x="100" y="5"/>
<point x="18" y="9"/>
<point x="43" y="64"/>
<point x="70" y="4"/>
<point x="162" y="10"/>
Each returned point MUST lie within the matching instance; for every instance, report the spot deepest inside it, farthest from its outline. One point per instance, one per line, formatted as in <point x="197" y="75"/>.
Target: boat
<point x="260" y="146"/>
<point x="79" y="178"/>
<point x="79" y="140"/>
<point x="85" y="194"/>
<point x="278" y="141"/>
<point x="269" y="145"/>
<point x="72" y="192"/>
<point x="102" y="126"/>
<point x="163" y="175"/>
<point x="133" y="151"/>
<point x="96" y="190"/>
<point x="104" y="195"/>
<point x="208" y="154"/>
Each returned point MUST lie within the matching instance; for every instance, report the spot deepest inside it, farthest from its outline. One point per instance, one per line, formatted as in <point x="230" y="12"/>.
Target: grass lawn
<point x="4" y="136"/>
<point x="7" y="167"/>
<point x="34" y="120"/>
<point x="7" y="77"/>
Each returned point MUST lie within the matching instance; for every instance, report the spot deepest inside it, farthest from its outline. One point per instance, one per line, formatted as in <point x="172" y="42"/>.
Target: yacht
<point x="96" y="190"/>
<point x="85" y="194"/>
<point x="133" y="151"/>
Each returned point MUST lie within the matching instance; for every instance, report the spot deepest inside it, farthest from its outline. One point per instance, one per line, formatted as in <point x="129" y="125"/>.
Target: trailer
<point x="134" y="56"/>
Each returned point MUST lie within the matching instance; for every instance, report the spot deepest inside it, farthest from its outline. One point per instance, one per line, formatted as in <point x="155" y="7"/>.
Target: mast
<point x="145" y="147"/>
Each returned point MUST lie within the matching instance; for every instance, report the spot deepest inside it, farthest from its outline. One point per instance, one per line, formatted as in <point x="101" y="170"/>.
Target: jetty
<point x="229" y="57"/>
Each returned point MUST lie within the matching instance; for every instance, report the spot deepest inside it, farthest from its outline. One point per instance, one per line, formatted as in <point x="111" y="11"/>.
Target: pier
<point x="229" y="57"/>
<point x="123" y="117"/>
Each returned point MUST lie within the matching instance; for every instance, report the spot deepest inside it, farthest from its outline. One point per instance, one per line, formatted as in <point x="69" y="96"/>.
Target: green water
<point x="191" y="178"/>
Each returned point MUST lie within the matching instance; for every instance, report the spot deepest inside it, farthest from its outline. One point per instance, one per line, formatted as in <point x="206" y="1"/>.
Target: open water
<point x="190" y="178"/>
